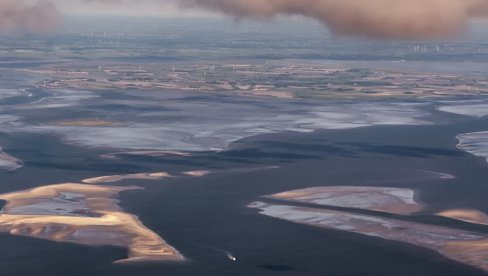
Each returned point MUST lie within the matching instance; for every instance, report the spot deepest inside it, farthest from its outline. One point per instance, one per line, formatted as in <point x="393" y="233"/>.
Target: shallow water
<point x="203" y="217"/>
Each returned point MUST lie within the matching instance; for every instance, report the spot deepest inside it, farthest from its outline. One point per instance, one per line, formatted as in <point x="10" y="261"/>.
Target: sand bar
<point x="116" y="178"/>
<point x="197" y="173"/>
<point x="475" y="143"/>
<point x="9" y="163"/>
<point x="82" y="214"/>
<point x="468" y="109"/>
<point x="467" y="215"/>
<point x="440" y="175"/>
<point x="467" y="247"/>
<point x="392" y="200"/>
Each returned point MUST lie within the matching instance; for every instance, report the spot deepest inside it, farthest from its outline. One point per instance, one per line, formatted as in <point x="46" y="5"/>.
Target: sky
<point x="380" y="19"/>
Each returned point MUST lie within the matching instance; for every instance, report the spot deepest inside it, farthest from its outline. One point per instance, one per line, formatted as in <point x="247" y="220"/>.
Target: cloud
<point x="23" y="15"/>
<point x="371" y="18"/>
<point x="407" y="19"/>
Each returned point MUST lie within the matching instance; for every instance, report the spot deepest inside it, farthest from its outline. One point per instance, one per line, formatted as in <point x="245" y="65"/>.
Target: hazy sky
<point x="123" y="7"/>
<point x="373" y="18"/>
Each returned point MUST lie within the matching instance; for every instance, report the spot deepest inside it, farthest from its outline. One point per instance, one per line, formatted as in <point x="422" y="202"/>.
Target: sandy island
<point x="459" y="245"/>
<point x="464" y="246"/>
<point x="392" y="200"/>
<point x="83" y="214"/>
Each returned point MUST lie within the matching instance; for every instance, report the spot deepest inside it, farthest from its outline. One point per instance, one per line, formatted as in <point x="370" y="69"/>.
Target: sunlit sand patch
<point x="83" y="214"/>
<point x="9" y="163"/>
<point x="392" y="200"/>
<point x="116" y="178"/>
<point x="197" y="173"/>
<point x="467" y="215"/>
<point x="146" y="153"/>
<point x="459" y="245"/>
<point x="88" y="123"/>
